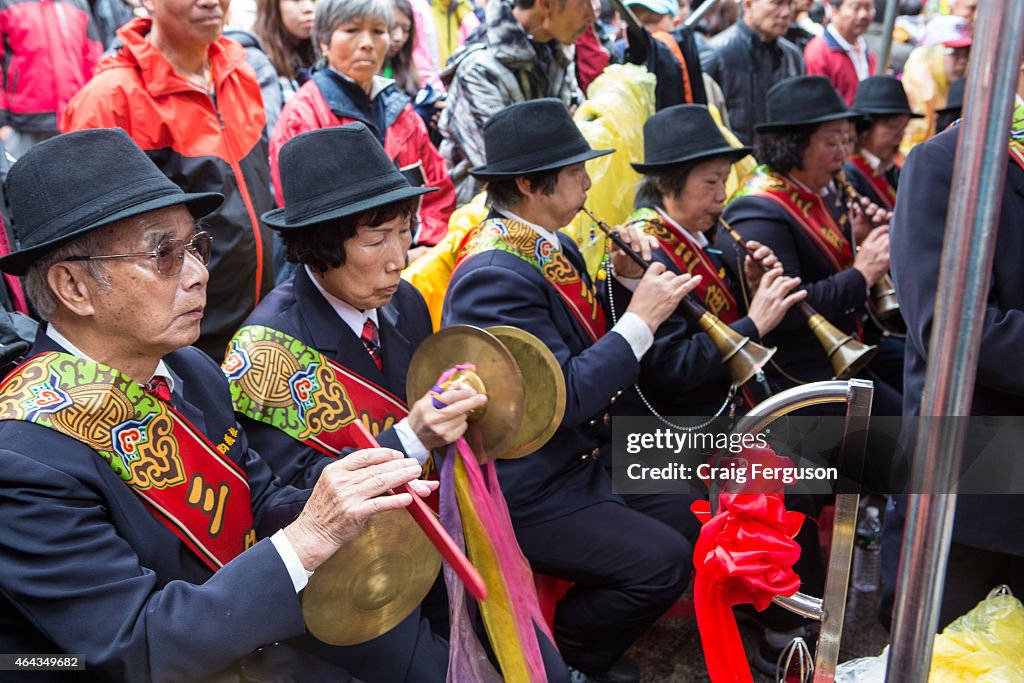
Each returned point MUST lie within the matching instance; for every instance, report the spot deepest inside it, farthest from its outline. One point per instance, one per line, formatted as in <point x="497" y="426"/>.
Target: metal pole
<point x="888" y="25"/>
<point x="978" y="179"/>
<point x="701" y="12"/>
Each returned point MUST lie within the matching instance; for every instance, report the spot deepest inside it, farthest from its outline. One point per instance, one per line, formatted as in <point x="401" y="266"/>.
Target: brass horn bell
<point x="847" y="355"/>
<point x="884" y="296"/>
<point x="742" y="357"/>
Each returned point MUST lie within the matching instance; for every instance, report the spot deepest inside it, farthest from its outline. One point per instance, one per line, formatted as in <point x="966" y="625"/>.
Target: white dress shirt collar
<point x="699" y="239"/>
<point x="874" y="162"/>
<point x="823" y="192"/>
<point x="351" y="315"/>
<point x="858" y="53"/>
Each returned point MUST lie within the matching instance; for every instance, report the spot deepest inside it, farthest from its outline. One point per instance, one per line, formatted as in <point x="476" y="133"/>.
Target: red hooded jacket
<point x="390" y="114"/>
<point x="48" y="50"/>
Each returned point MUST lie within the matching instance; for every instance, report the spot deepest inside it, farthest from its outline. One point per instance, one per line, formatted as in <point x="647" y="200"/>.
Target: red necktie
<point x="159" y="388"/>
<point x="371" y="340"/>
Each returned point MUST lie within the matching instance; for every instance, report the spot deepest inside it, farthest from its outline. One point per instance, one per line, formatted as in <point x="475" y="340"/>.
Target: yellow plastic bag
<point x="431" y="272"/>
<point x="985" y="645"/>
<point x="619" y="101"/>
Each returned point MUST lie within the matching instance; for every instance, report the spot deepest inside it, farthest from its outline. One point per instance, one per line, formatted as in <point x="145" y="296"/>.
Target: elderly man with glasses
<point x="131" y="504"/>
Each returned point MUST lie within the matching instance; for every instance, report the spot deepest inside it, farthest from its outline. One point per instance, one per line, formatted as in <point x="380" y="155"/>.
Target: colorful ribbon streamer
<point x="474" y="512"/>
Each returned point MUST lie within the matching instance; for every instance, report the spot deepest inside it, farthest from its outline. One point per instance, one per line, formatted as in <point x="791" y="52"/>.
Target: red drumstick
<point x="452" y="554"/>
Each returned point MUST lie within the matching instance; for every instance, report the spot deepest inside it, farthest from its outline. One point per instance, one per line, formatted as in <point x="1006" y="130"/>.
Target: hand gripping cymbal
<point x="492" y="433"/>
<point x="524" y="384"/>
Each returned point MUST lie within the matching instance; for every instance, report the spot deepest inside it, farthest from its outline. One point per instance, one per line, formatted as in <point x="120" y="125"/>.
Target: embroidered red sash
<point x="807" y="209"/>
<point x="713" y="291"/>
<point x="881" y="186"/>
<point x="522" y="241"/>
<point x="278" y="380"/>
<point x="188" y="483"/>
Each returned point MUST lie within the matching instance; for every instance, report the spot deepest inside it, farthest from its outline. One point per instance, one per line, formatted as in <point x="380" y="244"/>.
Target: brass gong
<point x="545" y="389"/>
<point x="372" y="583"/>
<point x="496" y="429"/>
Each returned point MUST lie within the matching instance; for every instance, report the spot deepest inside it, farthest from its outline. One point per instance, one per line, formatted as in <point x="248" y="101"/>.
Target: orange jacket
<point x="202" y="143"/>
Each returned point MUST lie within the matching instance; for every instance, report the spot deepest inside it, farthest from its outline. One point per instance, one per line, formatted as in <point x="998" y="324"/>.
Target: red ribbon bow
<point x="745" y="553"/>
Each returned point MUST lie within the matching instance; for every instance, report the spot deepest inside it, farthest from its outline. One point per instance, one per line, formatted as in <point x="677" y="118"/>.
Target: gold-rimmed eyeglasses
<point x="169" y="254"/>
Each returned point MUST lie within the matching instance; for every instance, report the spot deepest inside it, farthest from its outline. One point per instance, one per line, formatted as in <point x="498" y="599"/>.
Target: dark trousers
<point x="410" y="652"/>
<point x="628" y="567"/>
<point x="970" y="572"/>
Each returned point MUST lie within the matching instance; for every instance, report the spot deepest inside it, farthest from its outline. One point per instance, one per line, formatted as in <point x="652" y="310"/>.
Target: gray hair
<point x="37" y="287"/>
<point x="330" y="14"/>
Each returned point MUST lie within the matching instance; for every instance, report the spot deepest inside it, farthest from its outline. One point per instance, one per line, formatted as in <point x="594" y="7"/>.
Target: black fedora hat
<point x="955" y="96"/>
<point x="529" y="137"/>
<point x="801" y="101"/>
<point x="335" y="172"/>
<point x="882" y="96"/>
<point x="74" y="183"/>
<point x="685" y="132"/>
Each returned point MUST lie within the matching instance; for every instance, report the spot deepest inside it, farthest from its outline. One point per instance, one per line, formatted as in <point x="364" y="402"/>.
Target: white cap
<point x="658" y="6"/>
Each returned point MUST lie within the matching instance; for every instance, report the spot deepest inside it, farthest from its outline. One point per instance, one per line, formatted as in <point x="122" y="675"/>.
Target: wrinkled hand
<point x="641" y="242"/>
<point x="873" y="257"/>
<point x="773" y="300"/>
<point x="349" y="492"/>
<point x="763" y="260"/>
<point x="439" y="427"/>
<point x="659" y="293"/>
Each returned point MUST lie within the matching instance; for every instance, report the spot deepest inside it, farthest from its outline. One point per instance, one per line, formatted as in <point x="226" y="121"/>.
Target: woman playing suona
<point x="678" y="201"/>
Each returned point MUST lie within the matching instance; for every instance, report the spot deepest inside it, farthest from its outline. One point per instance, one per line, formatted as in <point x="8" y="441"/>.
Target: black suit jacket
<point x="86" y="568"/>
<point x="836" y="295"/>
<point x="563" y="476"/>
<point x="409" y="652"/>
<point x="916" y="241"/>
<point x="298" y="309"/>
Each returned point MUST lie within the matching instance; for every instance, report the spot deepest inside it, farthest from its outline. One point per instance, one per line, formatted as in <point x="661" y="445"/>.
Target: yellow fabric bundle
<point x="619" y="101"/>
<point x="430" y="273"/>
<point x="985" y="645"/>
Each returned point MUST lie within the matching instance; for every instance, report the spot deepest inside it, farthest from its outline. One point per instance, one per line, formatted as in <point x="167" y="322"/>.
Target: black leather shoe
<point x="624" y="671"/>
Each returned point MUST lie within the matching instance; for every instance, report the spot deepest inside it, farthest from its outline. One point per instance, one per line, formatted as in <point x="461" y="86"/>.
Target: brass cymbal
<point x="545" y="383"/>
<point x="495" y="431"/>
<point x="372" y="583"/>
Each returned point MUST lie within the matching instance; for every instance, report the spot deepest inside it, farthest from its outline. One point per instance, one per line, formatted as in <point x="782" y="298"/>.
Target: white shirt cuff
<point x="298" y="573"/>
<point x="410" y="443"/>
<point x="636" y="333"/>
<point x="630" y="283"/>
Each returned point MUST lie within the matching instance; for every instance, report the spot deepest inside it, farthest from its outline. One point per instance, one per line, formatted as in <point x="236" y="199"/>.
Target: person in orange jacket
<point x="186" y="96"/>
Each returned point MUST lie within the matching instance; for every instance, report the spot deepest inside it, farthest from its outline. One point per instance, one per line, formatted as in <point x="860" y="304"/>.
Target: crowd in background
<point x="432" y="76"/>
